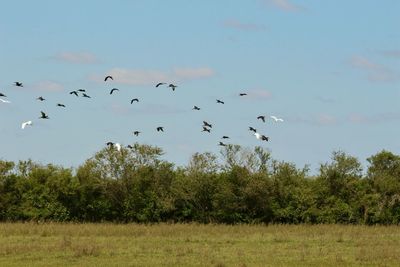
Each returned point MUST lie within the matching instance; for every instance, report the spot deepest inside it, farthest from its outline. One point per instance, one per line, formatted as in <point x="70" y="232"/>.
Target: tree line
<point x="243" y="186"/>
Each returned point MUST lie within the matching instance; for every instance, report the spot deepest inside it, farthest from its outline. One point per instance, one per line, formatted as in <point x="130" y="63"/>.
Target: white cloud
<point x="283" y="5"/>
<point x="77" y="57"/>
<point x="258" y="94"/>
<point x="375" y="72"/>
<point x="237" y="25"/>
<point x="375" y="118"/>
<point x="48" y="86"/>
<point x="148" y="77"/>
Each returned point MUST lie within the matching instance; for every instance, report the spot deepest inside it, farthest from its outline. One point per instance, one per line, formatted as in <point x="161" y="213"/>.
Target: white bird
<point x="261" y="137"/>
<point x="276" y="119"/>
<point x="4" y="101"/>
<point x="24" y="124"/>
<point x="118" y="146"/>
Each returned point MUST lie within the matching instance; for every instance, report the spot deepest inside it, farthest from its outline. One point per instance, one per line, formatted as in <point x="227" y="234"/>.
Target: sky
<point x="330" y="69"/>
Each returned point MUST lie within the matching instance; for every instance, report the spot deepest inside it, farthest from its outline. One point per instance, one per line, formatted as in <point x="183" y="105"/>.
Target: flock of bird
<point x="207" y="127"/>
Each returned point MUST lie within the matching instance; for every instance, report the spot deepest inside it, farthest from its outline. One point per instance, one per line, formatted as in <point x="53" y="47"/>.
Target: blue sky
<point x="330" y="69"/>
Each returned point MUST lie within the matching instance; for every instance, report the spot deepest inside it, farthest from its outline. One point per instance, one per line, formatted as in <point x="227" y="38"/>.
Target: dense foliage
<point x="137" y="185"/>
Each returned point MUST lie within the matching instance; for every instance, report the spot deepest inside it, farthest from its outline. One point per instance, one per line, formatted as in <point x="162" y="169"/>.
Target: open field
<point x="52" y="244"/>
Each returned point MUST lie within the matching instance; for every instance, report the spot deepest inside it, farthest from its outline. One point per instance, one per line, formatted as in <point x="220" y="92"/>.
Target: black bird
<point x="225" y="137"/>
<point x="252" y="129"/>
<point x="196" y="108"/>
<point x="242" y="94"/>
<point x="207" y="124"/>
<point x="1" y="94"/>
<point x="111" y="144"/>
<point x="137" y="133"/>
<point x="206" y="130"/>
<point x="40" y="98"/>
<point x="221" y="144"/>
<point x="81" y="90"/>
<point x="18" y="84"/>
<point x="43" y="115"/>
<point x="85" y="95"/>
<point x="172" y="86"/>
<point x="160" y="129"/>
<point x="220" y="102"/>
<point x="264" y="138"/>
<point x="135" y="99"/>
<point x="129" y="146"/>
<point x="74" y="93"/>
<point x="158" y="84"/>
<point x="60" y="105"/>
<point x="108" y="77"/>
<point x="261" y="118"/>
<point x="112" y="90"/>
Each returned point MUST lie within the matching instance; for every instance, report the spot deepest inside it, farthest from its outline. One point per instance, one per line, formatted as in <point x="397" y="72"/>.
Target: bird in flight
<point x="252" y="129"/>
<point x="19" y="84"/>
<point x="261" y="118"/>
<point x="160" y="129"/>
<point x="221" y="144"/>
<point x="220" y="102"/>
<point x="172" y="86"/>
<point x="136" y="133"/>
<point x="225" y="137"/>
<point x="110" y="144"/>
<point x="112" y="90"/>
<point x="118" y="146"/>
<point x="206" y="130"/>
<point x="85" y="95"/>
<point x="3" y="95"/>
<point x="196" y="108"/>
<point x="26" y="123"/>
<point x="206" y="124"/>
<point x="242" y="94"/>
<point x="81" y="90"/>
<point x="74" y="93"/>
<point x="261" y="137"/>
<point x="40" y="98"/>
<point x="276" y="119"/>
<point x="108" y="77"/>
<point x="4" y="101"/>
<point x="43" y="115"/>
<point x="60" y="105"/>
<point x="134" y="100"/>
<point x="158" y="84"/>
<point x="129" y="146"/>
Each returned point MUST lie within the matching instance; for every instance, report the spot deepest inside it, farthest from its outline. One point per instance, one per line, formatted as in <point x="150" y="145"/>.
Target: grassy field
<point x="54" y="244"/>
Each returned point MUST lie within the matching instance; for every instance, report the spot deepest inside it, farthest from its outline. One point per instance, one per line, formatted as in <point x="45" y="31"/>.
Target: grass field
<point x="53" y="244"/>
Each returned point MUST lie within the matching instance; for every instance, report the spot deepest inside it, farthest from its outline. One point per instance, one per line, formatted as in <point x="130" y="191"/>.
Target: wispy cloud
<point x="238" y="25"/>
<point x="77" y="57"/>
<point x="391" y="53"/>
<point x="357" y="118"/>
<point x="284" y="5"/>
<point x="324" y="99"/>
<point x="316" y="120"/>
<point x="259" y="94"/>
<point x="147" y="77"/>
<point x="48" y="86"/>
<point x="375" y="72"/>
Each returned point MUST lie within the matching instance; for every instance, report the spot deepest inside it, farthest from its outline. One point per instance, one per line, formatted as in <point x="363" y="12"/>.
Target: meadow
<point x="106" y="244"/>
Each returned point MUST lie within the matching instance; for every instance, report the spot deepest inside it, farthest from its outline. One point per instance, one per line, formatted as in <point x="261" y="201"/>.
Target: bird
<point x="85" y="95"/>
<point x="221" y="144"/>
<point x="206" y="130"/>
<point x="136" y="133"/>
<point x="74" y="93"/>
<point x="196" y="108"/>
<point x="242" y="94"/>
<point x="26" y="123"/>
<point x="261" y="118"/>
<point x="172" y="86"/>
<point x="225" y="137"/>
<point x="40" y="98"/>
<point x="207" y="124"/>
<point x="129" y="146"/>
<point x="81" y="90"/>
<point x="1" y="94"/>
<point x="43" y="115"/>
<point x="252" y="129"/>
<point x="112" y="90"/>
<point x="18" y="84"/>
<point x="110" y="144"/>
<point x="108" y="77"/>
<point x="160" y="129"/>
<point x="276" y="119"/>
<point x="220" y="102"/>
<point x="118" y="146"/>
<point x="261" y="137"/>
<point x="4" y="101"/>
<point x="134" y="100"/>
<point x="60" y="105"/>
<point x="158" y="84"/>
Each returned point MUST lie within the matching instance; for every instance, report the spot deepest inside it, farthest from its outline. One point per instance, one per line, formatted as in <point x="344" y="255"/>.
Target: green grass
<point x="52" y="244"/>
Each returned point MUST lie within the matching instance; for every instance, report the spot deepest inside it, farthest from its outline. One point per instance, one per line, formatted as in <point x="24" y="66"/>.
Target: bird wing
<point x="4" y="101"/>
<point x="274" y="117"/>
